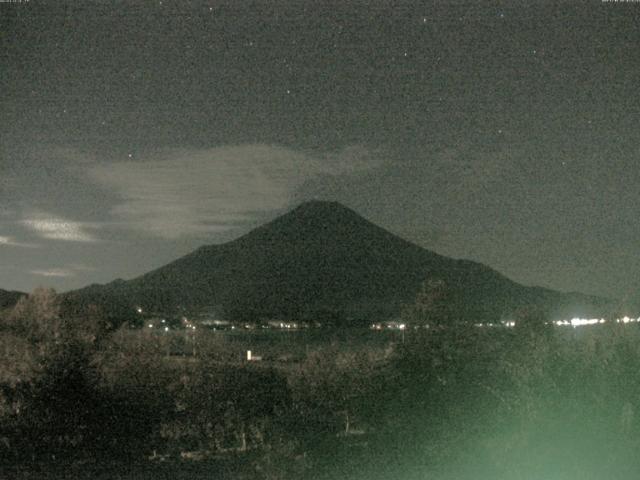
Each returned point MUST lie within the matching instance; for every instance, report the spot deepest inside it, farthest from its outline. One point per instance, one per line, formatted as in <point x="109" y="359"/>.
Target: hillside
<point x="323" y="261"/>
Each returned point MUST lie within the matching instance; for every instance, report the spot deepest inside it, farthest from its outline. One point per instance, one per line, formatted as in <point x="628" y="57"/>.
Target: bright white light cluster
<point x="579" y="322"/>
<point x="574" y="322"/>
<point x="626" y="319"/>
<point x="491" y="325"/>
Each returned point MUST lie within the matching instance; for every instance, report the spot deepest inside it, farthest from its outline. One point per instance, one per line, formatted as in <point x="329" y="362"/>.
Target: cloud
<point x="69" y="271"/>
<point x="56" y="228"/>
<point x="192" y="192"/>
<point x="54" y="272"/>
<point x="11" y="242"/>
<point x="6" y="240"/>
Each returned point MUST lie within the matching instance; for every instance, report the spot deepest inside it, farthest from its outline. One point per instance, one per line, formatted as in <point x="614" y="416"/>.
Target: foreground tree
<point x="36" y="317"/>
<point x="53" y="400"/>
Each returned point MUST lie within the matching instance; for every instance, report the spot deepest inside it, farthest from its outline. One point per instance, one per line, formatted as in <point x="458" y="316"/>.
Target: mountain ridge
<point x="323" y="261"/>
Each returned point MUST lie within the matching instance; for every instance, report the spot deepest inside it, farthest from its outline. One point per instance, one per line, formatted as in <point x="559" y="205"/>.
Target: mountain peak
<point x="319" y="207"/>
<point x="316" y="218"/>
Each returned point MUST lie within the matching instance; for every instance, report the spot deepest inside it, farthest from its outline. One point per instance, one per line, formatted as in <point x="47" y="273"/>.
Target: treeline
<point x="449" y="403"/>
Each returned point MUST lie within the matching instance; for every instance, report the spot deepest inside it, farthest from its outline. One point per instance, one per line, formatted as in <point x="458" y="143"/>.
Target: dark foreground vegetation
<point x="79" y="399"/>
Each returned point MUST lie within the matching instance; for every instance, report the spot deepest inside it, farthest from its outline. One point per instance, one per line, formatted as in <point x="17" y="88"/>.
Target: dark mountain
<point x="323" y="261"/>
<point x="9" y="298"/>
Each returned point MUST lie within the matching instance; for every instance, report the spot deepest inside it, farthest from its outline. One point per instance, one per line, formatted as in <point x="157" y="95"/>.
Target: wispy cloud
<point x="56" y="228"/>
<point x="68" y="271"/>
<point x="12" y="242"/>
<point x="54" y="272"/>
<point x="190" y="192"/>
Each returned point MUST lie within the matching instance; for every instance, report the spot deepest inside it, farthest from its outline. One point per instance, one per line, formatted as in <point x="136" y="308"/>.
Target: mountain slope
<point x="323" y="261"/>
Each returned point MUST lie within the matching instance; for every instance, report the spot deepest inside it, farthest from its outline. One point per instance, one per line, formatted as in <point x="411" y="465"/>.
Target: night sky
<point x="502" y="132"/>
